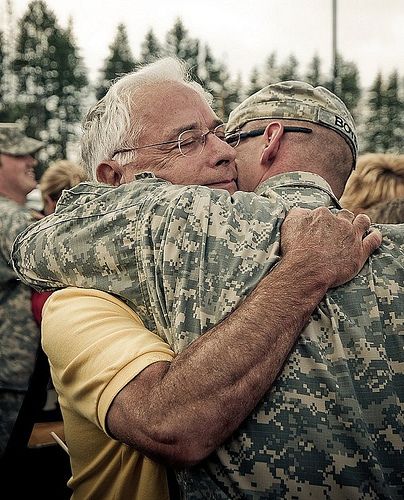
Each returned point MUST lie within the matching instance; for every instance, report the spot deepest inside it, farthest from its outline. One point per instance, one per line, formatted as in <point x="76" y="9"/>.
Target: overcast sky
<point x="242" y="33"/>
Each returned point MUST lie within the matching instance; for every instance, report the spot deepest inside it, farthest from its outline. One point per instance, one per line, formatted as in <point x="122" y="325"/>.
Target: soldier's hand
<point x="335" y="246"/>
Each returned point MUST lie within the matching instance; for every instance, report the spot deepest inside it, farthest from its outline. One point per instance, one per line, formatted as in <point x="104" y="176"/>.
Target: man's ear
<point x="273" y="134"/>
<point x="109" y="172"/>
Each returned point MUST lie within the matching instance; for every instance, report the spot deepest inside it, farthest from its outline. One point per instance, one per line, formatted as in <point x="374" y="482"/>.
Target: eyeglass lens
<point x="192" y="142"/>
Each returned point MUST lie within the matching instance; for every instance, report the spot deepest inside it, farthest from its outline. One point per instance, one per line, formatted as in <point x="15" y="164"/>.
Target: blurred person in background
<point x="60" y="175"/>
<point x="31" y="446"/>
<point x="19" y="334"/>
<point x="377" y="178"/>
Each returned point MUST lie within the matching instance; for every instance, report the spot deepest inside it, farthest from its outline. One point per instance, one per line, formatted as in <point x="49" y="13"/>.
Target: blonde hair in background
<point x="378" y="177"/>
<point x="62" y="174"/>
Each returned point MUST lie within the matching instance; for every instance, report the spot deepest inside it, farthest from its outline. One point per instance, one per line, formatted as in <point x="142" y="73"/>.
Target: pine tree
<point x="313" y="75"/>
<point x="150" y="48"/>
<point x="3" y="107"/>
<point x="289" y="69"/>
<point x="204" y="68"/>
<point x="269" y="73"/>
<point x="214" y="77"/>
<point x="72" y="80"/>
<point x="254" y="83"/>
<point x="181" y="45"/>
<point x="233" y="96"/>
<point x="347" y="84"/>
<point x="119" y="62"/>
<point x="209" y="71"/>
<point x="10" y="111"/>
<point x="50" y="79"/>
<point x="376" y="121"/>
<point x="394" y="123"/>
<point x="35" y="67"/>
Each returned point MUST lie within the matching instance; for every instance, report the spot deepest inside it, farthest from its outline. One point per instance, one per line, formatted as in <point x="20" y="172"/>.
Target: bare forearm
<point x="183" y="411"/>
<point x="205" y="393"/>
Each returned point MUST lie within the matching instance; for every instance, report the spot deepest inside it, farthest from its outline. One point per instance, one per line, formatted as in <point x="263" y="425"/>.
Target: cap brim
<point x="25" y="146"/>
<point x="31" y="146"/>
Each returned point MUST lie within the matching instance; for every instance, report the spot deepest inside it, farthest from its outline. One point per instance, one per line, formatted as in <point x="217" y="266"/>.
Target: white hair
<point x="110" y="125"/>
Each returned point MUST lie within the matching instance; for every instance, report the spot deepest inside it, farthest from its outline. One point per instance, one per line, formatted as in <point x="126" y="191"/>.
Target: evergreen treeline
<point x="44" y="83"/>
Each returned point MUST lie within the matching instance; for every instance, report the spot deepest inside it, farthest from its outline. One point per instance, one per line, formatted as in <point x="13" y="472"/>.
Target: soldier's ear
<point x="273" y="134"/>
<point x="109" y="172"/>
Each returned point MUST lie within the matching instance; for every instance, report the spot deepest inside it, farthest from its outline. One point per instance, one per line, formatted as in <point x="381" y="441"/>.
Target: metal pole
<point x="334" y="45"/>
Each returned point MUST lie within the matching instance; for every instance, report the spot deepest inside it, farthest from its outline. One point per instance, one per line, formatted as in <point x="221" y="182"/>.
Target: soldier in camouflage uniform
<point x="184" y="258"/>
<point x="19" y="335"/>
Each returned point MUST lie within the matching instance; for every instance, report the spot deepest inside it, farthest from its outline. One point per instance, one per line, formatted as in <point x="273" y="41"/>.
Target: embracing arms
<point x="180" y="412"/>
<point x="184" y="258"/>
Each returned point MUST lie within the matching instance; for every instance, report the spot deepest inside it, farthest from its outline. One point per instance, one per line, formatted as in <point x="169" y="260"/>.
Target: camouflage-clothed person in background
<point x="19" y="334"/>
<point x="183" y="258"/>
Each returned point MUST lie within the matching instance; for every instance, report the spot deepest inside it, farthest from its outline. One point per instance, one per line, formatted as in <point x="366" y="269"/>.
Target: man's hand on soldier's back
<point x="337" y="245"/>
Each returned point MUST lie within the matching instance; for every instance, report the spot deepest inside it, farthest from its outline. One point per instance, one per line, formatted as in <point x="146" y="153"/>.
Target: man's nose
<point x="223" y="152"/>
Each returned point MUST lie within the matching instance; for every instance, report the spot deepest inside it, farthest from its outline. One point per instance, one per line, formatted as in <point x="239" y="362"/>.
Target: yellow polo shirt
<point x="96" y="345"/>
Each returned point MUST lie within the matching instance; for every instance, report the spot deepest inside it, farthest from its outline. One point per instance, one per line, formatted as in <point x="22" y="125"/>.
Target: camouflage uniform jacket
<point x="332" y="425"/>
<point x="19" y="334"/>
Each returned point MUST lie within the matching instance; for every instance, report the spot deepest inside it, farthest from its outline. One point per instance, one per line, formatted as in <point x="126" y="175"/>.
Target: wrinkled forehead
<point x="171" y="103"/>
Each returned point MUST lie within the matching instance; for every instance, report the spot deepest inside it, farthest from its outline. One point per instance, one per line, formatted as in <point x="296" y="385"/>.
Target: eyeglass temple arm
<point x="298" y="129"/>
<point x="287" y="128"/>
<point x="260" y="131"/>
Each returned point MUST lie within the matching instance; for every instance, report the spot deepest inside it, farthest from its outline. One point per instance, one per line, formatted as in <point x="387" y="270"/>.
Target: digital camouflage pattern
<point x="14" y="142"/>
<point x="19" y="334"/>
<point x="153" y="222"/>
<point x="296" y="100"/>
<point x="332" y="425"/>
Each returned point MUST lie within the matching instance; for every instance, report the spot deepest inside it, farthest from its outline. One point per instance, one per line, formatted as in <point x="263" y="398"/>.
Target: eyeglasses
<point x="189" y="142"/>
<point x="236" y="137"/>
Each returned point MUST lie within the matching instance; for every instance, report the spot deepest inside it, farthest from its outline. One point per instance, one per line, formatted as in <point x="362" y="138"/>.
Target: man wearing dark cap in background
<point x="19" y="334"/>
<point x="190" y="268"/>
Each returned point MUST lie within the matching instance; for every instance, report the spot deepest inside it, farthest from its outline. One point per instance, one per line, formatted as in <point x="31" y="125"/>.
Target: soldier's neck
<point x="19" y="198"/>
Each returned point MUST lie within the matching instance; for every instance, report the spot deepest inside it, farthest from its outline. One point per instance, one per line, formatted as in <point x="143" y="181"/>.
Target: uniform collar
<point x="298" y="179"/>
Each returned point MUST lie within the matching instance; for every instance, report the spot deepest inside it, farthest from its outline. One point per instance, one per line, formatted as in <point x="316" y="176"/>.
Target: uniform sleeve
<point x="202" y="258"/>
<point x="96" y="345"/>
<point x="13" y="221"/>
<point x="181" y="257"/>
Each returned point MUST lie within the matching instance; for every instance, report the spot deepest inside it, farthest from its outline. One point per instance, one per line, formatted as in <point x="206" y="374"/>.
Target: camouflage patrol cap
<point x="14" y="142"/>
<point x="296" y="100"/>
